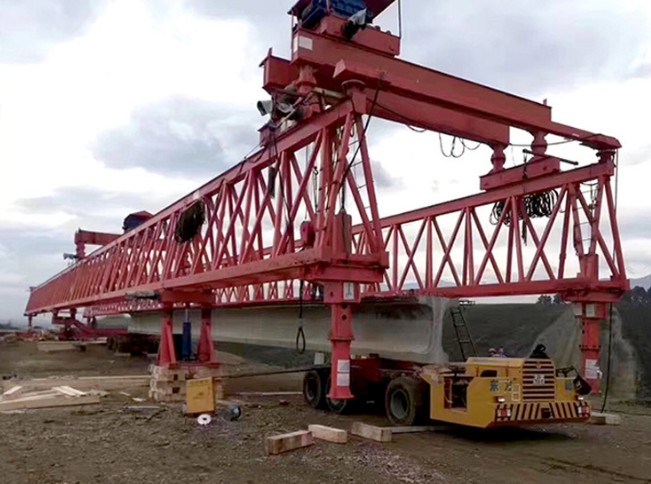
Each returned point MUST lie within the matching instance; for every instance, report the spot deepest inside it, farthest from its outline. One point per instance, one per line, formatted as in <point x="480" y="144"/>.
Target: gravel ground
<point x="107" y="443"/>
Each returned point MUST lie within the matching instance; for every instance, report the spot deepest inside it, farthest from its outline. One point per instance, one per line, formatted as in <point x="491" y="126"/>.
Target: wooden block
<point x="199" y="396"/>
<point x="171" y="374"/>
<point x="219" y="391"/>
<point x="177" y="385"/>
<point x="278" y="444"/>
<point x="331" y="434"/>
<point x="159" y="396"/>
<point x="598" y="418"/>
<point x="379" y="434"/>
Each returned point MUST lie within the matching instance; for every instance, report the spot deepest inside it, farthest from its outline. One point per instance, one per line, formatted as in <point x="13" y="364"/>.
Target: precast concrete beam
<point x="399" y="330"/>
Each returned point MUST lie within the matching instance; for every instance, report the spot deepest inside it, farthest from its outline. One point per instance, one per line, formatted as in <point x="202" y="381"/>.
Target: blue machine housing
<point x="318" y="9"/>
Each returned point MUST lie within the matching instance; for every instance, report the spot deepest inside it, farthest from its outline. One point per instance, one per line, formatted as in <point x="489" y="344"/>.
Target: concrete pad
<point x="371" y="432"/>
<point x="278" y="444"/>
<point x="330" y="434"/>
<point x="597" y="418"/>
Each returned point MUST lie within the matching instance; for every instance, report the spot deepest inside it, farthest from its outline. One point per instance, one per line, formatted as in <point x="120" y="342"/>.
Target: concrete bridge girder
<point x="399" y="330"/>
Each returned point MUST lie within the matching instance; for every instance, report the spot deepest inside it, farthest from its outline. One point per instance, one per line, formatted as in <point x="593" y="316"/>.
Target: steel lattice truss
<point x="254" y="213"/>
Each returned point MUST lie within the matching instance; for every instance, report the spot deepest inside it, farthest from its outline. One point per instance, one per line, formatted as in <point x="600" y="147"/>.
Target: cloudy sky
<point x="113" y="106"/>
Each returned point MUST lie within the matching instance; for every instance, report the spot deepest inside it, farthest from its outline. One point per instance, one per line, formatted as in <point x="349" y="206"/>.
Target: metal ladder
<point x="466" y="344"/>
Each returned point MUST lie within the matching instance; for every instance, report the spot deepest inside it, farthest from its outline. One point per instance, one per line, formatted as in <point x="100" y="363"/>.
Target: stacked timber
<point x="168" y="384"/>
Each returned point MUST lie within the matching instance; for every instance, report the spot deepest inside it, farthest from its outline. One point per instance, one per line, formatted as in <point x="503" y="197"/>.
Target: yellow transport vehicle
<point x="491" y="392"/>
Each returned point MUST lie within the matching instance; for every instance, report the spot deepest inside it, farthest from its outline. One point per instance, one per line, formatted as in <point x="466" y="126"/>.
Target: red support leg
<point x="341" y="335"/>
<point x="206" y="349"/>
<point x="591" y="316"/>
<point x="166" y="352"/>
<point x="30" y="324"/>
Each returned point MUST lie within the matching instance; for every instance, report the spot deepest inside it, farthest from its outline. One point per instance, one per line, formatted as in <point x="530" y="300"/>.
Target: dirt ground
<point x="108" y="443"/>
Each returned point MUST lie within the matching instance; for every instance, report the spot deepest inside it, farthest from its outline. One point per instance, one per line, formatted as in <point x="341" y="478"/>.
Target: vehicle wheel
<point x="337" y="406"/>
<point x="314" y="389"/>
<point x="406" y="401"/>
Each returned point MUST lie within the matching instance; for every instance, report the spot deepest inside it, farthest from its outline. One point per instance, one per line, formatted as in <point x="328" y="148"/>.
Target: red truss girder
<point x="254" y="213"/>
<point x="576" y="251"/>
<point x="558" y="257"/>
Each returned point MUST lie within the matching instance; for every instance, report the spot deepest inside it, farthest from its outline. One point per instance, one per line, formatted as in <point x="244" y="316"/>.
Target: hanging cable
<point x="300" y="334"/>
<point x="610" y="347"/>
<point x="471" y="148"/>
<point x="535" y="205"/>
<point x="451" y="154"/>
<point x="190" y="222"/>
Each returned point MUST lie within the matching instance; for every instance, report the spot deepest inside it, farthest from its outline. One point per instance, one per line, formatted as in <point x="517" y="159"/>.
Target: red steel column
<point x="206" y="348"/>
<point x="166" y="351"/>
<point x="341" y="336"/>
<point x="591" y="316"/>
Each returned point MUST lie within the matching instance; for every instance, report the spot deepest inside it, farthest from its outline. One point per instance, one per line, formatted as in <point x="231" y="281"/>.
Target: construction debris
<point x="329" y="434"/>
<point x="204" y="419"/>
<point x="61" y="396"/>
<point x="278" y="444"/>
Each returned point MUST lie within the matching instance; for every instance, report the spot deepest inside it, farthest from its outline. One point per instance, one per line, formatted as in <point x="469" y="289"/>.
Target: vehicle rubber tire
<point x="314" y="389"/>
<point x="406" y="401"/>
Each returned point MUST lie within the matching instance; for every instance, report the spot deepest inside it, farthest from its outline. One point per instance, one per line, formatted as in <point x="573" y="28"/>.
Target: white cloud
<point x="138" y="53"/>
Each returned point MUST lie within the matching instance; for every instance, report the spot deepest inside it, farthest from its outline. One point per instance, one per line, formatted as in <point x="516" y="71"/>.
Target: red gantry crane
<point x="301" y="213"/>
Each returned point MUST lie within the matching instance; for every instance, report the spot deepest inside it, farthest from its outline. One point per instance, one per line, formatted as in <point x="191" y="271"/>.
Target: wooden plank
<point x="413" y="429"/>
<point x="117" y="382"/>
<point x="379" y="434"/>
<point x="13" y="392"/>
<point x="71" y="392"/>
<point x="278" y="444"/>
<point x="53" y="346"/>
<point x="330" y="434"/>
<point x="98" y="341"/>
<point x="45" y="401"/>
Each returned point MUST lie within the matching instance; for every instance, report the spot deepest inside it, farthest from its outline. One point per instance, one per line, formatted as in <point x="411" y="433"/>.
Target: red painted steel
<point x="85" y="237"/>
<point x="286" y="212"/>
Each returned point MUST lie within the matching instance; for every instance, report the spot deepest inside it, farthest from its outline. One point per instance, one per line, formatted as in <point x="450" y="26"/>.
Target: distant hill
<point x="644" y="282"/>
